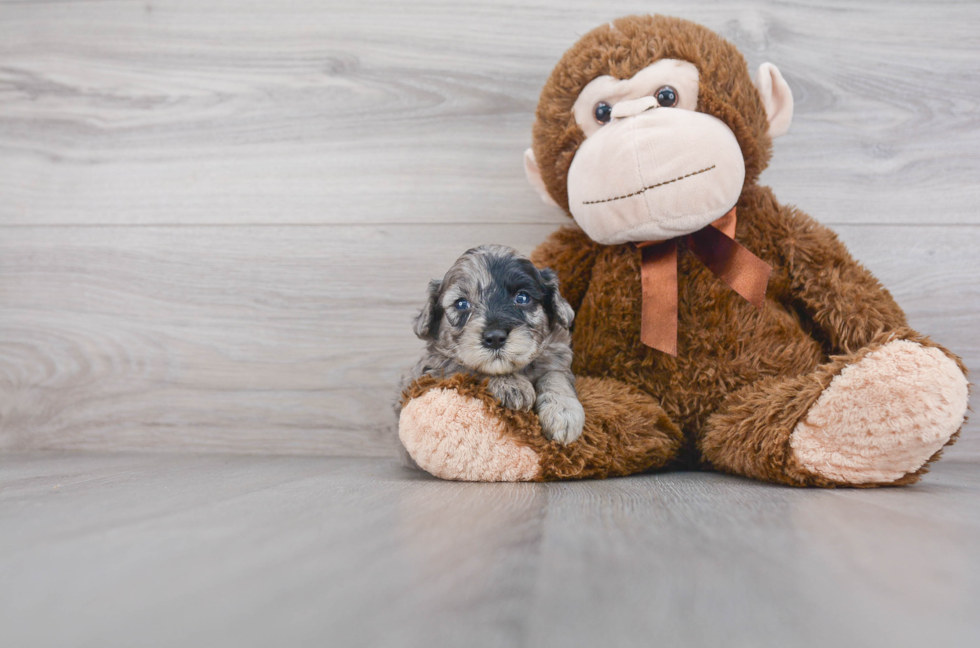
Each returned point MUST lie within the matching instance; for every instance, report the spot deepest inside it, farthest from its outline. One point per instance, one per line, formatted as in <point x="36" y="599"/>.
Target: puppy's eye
<point x="602" y="112"/>
<point x="522" y="298"/>
<point x="666" y="97"/>
<point x="462" y="304"/>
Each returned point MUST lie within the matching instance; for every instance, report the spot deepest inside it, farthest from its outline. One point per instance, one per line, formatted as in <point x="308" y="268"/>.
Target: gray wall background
<point x="217" y="218"/>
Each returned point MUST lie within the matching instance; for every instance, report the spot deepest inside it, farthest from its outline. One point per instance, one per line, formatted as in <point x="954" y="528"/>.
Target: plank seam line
<point x="410" y="224"/>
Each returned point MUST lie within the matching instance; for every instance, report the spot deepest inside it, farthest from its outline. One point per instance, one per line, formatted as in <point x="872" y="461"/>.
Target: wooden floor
<point x="216" y="222"/>
<point x="166" y="550"/>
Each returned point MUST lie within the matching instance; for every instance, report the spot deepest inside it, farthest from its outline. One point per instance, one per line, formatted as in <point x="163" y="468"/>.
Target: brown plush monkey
<point x="648" y="133"/>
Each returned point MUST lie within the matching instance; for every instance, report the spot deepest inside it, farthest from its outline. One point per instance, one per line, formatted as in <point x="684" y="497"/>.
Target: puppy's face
<point x="493" y="310"/>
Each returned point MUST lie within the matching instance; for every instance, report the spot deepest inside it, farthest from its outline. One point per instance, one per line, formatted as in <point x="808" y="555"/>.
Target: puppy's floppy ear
<point x="559" y="310"/>
<point x="426" y="323"/>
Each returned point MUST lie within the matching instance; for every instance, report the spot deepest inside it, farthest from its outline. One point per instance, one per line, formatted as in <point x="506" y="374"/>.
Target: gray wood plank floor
<point x="198" y="550"/>
<point x="216" y="219"/>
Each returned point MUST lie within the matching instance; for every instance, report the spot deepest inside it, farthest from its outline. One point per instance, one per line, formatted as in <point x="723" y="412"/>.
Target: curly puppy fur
<point x="496" y="317"/>
<point x="744" y="378"/>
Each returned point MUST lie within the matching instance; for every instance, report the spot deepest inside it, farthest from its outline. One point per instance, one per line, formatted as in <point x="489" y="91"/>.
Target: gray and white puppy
<point x="495" y="315"/>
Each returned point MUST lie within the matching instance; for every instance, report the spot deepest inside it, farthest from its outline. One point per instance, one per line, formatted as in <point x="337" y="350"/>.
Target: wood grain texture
<point x="292" y="339"/>
<point x="218" y="551"/>
<point x="258" y="339"/>
<point x="299" y="111"/>
<point x="216" y="219"/>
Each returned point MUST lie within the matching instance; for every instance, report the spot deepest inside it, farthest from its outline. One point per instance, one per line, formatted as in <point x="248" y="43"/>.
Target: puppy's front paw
<point x="513" y="392"/>
<point x="562" y="417"/>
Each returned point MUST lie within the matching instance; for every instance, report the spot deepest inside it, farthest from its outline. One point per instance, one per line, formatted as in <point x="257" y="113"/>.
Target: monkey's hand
<point x="514" y="391"/>
<point x="559" y="410"/>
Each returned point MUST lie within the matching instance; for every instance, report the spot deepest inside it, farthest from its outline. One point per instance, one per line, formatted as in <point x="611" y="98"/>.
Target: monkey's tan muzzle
<point x="654" y="173"/>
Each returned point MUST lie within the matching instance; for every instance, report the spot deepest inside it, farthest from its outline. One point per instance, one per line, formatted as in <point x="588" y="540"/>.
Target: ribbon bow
<point x="715" y="246"/>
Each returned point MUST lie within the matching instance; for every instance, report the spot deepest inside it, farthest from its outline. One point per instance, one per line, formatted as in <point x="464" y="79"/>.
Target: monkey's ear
<point x="534" y="177"/>
<point x="426" y="323"/>
<point x="776" y="97"/>
<point x="560" y="311"/>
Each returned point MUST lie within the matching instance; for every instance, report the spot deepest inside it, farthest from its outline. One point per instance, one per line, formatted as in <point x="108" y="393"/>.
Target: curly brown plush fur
<point x="622" y="50"/>
<point x="625" y="432"/>
<point x="744" y="379"/>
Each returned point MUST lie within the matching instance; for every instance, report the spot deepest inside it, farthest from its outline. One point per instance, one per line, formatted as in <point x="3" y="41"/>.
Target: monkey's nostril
<point x="494" y="338"/>
<point x="633" y="107"/>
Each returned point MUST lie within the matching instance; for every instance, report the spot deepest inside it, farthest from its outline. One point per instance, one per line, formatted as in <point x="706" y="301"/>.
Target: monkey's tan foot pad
<point x="454" y="437"/>
<point x="884" y="416"/>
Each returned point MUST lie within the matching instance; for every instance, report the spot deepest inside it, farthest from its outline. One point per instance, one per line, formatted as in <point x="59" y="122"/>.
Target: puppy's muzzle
<point x="495" y="338"/>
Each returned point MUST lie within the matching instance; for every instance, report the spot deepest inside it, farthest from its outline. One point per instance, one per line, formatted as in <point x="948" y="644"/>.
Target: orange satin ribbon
<point x="715" y="246"/>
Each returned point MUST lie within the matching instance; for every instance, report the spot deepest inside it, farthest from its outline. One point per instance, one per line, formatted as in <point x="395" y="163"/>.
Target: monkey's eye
<point x="666" y="97"/>
<point x="602" y="112"/>
<point x="522" y="298"/>
<point x="462" y="304"/>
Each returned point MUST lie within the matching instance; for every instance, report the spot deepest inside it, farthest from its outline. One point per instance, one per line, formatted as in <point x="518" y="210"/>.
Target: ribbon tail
<point x="658" y="271"/>
<point x="730" y="261"/>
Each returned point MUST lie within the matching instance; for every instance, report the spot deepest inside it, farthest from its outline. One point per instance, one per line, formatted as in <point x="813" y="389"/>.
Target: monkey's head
<point x="650" y="127"/>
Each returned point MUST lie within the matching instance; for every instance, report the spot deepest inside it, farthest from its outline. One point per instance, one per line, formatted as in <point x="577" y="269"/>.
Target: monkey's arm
<point x="844" y="301"/>
<point x="571" y="254"/>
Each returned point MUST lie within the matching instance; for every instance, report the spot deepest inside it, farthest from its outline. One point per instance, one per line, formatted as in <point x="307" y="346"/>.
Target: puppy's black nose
<point x="494" y="338"/>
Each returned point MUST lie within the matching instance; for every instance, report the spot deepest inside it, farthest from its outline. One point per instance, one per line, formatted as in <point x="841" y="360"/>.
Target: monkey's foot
<point x="453" y="436"/>
<point x="884" y="416"/>
<point x="455" y="429"/>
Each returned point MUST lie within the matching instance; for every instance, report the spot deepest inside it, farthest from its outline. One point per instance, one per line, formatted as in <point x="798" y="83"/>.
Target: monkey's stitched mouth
<point x="645" y="189"/>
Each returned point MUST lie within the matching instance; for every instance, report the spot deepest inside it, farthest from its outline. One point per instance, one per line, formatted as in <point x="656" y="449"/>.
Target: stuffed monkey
<point x="715" y="327"/>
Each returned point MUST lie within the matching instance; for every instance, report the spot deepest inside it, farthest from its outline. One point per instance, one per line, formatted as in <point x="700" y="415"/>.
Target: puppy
<point x="495" y="315"/>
